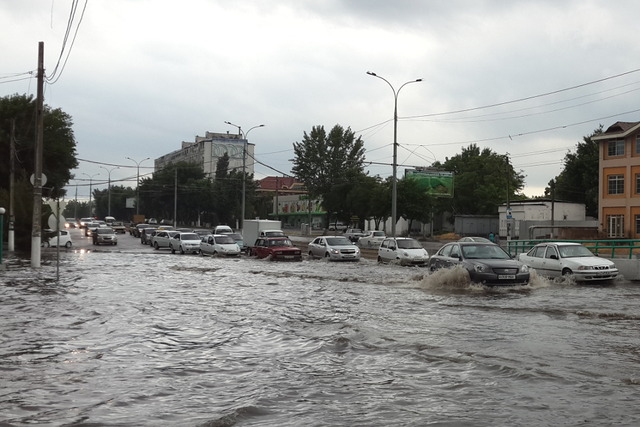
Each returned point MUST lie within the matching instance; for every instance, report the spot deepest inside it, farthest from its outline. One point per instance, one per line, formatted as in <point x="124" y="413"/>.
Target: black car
<point x="486" y="263"/>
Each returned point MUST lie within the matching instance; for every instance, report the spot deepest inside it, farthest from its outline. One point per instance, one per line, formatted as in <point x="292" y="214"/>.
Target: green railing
<point x="622" y="248"/>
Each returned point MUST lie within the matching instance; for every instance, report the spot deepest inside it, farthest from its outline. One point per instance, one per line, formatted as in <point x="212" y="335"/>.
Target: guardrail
<point x="623" y="248"/>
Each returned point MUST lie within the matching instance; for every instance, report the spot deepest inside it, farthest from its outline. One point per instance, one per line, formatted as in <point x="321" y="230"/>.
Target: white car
<point x="219" y="244"/>
<point x="185" y="242"/>
<point x="161" y="238"/>
<point x="63" y="239"/>
<point x="556" y="259"/>
<point x="371" y="239"/>
<point x="222" y="229"/>
<point x="334" y="248"/>
<point x="403" y="250"/>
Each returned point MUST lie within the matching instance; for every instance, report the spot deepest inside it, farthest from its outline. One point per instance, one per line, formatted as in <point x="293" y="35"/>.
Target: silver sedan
<point x="334" y="248"/>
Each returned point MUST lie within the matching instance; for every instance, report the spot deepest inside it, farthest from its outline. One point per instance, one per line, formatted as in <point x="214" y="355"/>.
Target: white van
<point x="222" y="229"/>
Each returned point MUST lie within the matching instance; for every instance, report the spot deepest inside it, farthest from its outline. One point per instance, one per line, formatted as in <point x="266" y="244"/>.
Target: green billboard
<point x="435" y="182"/>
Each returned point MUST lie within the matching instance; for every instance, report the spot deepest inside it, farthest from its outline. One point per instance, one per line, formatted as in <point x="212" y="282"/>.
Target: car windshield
<point x="280" y="242"/>
<point x="236" y="237"/>
<point x="409" y="244"/>
<point x="338" y="241"/>
<point x="224" y="240"/>
<point x="104" y="231"/>
<point x="483" y="252"/>
<point x="378" y="233"/>
<point x="189" y="236"/>
<point x="574" y="251"/>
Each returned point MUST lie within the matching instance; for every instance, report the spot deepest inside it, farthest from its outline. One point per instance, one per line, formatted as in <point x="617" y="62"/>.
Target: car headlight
<point x="334" y="251"/>
<point x="479" y="268"/>
<point x="524" y="268"/>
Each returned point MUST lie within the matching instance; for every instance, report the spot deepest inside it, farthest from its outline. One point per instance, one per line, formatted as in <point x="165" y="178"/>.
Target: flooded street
<point x="146" y="338"/>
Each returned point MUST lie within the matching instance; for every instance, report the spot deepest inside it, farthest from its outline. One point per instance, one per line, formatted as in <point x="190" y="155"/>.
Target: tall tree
<point x="483" y="180"/>
<point x="59" y="157"/>
<point x="578" y="181"/>
<point x="326" y="163"/>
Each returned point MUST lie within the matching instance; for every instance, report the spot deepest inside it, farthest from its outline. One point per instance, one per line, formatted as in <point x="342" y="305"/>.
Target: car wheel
<point x="327" y="256"/>
<point x="155" y="246"/>
<point x="173" y="251"/>
<point x="379" y="259"/>
<point x="114" y="243"/>
<point x="46" y="244"/>
<point x="67" y="245"/>
<point x="181" y="250"/>
<point x="310" y="255"/>
<point x="567" y="272"/>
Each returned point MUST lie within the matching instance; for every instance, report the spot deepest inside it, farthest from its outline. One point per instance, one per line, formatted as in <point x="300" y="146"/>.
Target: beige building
<point x="619" y="180"/>
<point x="206" y="150"/>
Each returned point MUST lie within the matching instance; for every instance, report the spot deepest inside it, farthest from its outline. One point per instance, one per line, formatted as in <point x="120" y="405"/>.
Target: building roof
<point x="278" y="182"/>
<point x="618" y="130"/>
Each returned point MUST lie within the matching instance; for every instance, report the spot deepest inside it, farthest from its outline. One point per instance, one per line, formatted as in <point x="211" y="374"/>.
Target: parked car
<point x="556" y="259"/>
<point x="337" y="226"/>
<point x="185" y="243"/>
<point x="237" y="237"/>
<point x="222" y="229"/>
<point x="353" y="234"/>
<point x="219" y="244"/>
<point x="161" y="238"/>
<point x="104" y="235"/>
<point x="277" y="248"/>
<point x="475" y="239"/>
<point x="486" y="263"/>
<point x="371" y="239"/>
<point x="334" y="248"/>
<point x="404" y="250"/>
<point x="118" y="227"/>
<point x="50" y="239"/>
<point x="145" y="235"/>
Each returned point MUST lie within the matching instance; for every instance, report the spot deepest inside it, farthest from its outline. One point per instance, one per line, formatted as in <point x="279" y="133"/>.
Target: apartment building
<point x="206" y="150"/>
<point x="619" y="180"/>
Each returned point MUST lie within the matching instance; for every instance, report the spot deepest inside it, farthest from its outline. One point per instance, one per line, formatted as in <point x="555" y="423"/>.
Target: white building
<point x="206" y="150"/>
<point x="515" y="222"/>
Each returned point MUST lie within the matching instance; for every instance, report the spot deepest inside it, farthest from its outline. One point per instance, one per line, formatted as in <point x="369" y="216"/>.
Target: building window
<point x="615" y="148"/>
<point x="637" y="224"/>
<point x="638" y="183"/>
<point x="638" y="144"/>
<point x="616" y="184"/>
<point x="616" y="226"/>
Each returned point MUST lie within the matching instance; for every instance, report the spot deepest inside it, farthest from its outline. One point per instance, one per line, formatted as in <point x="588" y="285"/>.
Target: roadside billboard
<point x="437" y="183"/>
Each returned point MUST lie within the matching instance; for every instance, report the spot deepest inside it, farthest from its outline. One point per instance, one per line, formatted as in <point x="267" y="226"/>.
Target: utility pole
<point x="36" y="228"/>
<point x="12" y="171"/>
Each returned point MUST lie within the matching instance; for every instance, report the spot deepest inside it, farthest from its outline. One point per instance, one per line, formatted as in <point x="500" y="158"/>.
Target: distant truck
<point x="252" y="229"/>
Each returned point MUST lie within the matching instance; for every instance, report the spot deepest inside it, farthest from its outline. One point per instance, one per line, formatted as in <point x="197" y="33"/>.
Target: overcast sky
<point x="527" y="78"/>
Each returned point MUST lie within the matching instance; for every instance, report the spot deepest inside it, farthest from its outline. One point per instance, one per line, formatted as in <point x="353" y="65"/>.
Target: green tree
<point x="328" y="164"/>
<point x="483" y="180"/>
<point x="414" y="204"/>
<point x="578" y="181"/>
<point x="59" y="157"/>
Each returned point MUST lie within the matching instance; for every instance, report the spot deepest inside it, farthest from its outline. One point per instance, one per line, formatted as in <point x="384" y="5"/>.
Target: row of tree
<point x="331" y="165"/>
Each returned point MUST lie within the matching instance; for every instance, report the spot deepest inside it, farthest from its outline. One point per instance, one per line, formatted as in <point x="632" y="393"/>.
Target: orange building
<point x="619" y="180"/>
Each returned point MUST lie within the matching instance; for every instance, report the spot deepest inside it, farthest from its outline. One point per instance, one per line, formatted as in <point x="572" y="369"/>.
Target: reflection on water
<point x="141" y="339"/>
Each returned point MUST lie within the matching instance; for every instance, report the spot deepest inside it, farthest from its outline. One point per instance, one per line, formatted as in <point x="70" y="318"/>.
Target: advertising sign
<point x="437" y="183"/>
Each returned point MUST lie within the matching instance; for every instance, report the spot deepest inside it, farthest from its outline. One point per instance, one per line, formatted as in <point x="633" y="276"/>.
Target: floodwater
<point x="148" y="339"/>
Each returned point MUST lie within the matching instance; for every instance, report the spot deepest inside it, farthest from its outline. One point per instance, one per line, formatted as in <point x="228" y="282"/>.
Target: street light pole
<point x="138" y="182"/>
<point x="109" y="188"/>
<point x="90" y="190"/>
<point x="394" y="180"/>
<point x="244" y="163"/>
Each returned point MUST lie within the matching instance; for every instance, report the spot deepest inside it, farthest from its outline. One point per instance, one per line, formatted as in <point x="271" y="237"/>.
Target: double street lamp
<point x="90" y="190"/>
<point x="109" y="188"/>
<point x="138" y="182"/>
<point x="244" y="163"/>
<point x="394" y="180"/>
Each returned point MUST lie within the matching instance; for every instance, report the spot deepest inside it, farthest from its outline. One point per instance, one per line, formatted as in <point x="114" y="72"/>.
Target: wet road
<point x="130" y="336"/>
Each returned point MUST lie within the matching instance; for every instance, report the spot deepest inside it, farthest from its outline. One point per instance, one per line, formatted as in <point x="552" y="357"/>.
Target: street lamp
<point x="109" y="188"/>
<point x="2" y="211"/>
<point x="90" y="190"/>
<point x="244" y="162"/>
<point x="138" y="183"/>
<point x="394" y="180"/>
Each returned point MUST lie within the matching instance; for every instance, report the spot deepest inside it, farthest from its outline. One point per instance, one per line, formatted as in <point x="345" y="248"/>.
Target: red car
<point x="278" y="248"/>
